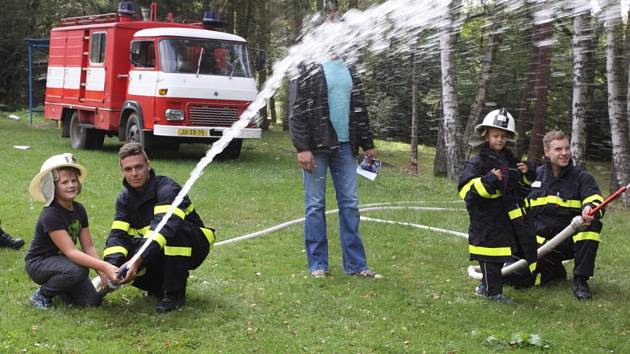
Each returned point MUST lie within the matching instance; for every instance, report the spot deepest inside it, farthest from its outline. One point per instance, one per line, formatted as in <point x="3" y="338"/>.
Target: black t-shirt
<point x="53" y="218"/>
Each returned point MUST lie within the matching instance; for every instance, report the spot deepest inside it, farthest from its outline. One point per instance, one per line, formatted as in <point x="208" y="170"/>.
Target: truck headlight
<point x="174" y="114"/>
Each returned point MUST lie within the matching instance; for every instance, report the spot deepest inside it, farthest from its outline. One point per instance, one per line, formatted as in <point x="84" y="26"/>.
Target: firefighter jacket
<point x="309" y="117"/>
<point x="493" y="204"/>
<point x="138" y="213"/>
<point x="555" y="200"/>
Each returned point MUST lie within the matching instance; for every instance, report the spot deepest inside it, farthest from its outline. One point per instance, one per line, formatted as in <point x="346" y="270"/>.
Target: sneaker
<point x="40" y="301"/>
<point x="319" y="273"/>
<point x="481" y="290"/>
<point x="581" y="290"/>
<point x="12" y="242"/>
<point x="502" y="299"/>
<point x="368" y="274"/>
<point x="171" y="301"/>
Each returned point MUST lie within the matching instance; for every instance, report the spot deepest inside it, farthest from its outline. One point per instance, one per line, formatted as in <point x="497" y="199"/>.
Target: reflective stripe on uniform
<point x="552" y="199"/>
<point x="482" y="190"/>
<point x="532" y="267"/>
<point x="120" y="225"/>
<point x="465" y="189"/>
<point x="538" y="278"/>
<point x="595" y="199"/>
<point x="115" y="249"/>
<point x="159" y="238"/>
<point x="515" y="213"/>
<point x="177" y="251"/>
<point x="526" y="181"/>
<point x="540" y="240"/>
<point x="190" y="209"/>
<point x="490" y="251"/>
<point x="209" y="235"/>
<point x="586" y="235"/>
<point x="163" y="209"/>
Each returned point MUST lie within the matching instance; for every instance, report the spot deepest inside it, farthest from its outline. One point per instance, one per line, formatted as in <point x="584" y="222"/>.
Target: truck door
<point x="143" y="78"/>
<point x="95" y="75"/>
<point x="75" y="53"/>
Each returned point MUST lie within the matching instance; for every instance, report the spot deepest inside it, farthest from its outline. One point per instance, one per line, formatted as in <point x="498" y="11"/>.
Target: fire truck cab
<point x="152" y="82"/>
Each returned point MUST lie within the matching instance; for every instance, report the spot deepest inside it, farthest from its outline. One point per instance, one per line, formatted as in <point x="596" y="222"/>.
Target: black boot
<point x="8" y="241"/>
<point x="171" y="301"/>
<point x="581" y="289"/>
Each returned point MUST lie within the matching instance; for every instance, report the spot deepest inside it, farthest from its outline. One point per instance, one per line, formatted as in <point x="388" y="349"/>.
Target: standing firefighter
<point x="494" y="185"/>
<point x="182" y="244"/>
<point x="560" y="192"/>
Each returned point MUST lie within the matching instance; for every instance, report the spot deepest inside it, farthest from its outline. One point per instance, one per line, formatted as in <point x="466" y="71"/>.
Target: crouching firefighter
<point x="494" y="185"/>
<point x="182" y="244"/>
<point x="560" y="192"/>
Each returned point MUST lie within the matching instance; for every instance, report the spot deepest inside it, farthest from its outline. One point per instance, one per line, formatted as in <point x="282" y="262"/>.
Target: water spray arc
<point x="373" y="26"/>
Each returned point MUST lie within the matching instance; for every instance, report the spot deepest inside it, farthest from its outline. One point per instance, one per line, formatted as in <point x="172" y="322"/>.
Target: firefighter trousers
<point x="169" y="272"/>
<point x="582" y="252"/>
<point x="492" y="277"/>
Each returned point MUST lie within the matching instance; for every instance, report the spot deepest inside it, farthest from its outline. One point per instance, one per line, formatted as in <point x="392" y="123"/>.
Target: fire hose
<point x="575" y="225"/>
<point x="367" y="207"/>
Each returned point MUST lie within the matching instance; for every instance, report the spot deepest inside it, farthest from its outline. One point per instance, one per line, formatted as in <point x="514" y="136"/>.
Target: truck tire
<point x="135" y="134"/>
<point x="65" y="126"/>
<point x="84" y="138"/>
<point x="232" y="151"/>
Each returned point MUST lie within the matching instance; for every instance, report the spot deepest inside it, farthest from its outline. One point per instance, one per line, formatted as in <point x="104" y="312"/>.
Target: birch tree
<point x="581" y="36"/>
<point x="618" y="123"/>
<point x="451" y="130"/>
<point x="413" y="159"/>
<point x="474" y="118"/>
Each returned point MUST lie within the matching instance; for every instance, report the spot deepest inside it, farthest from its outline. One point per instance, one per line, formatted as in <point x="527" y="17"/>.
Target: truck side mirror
<point x="261" y="59"/>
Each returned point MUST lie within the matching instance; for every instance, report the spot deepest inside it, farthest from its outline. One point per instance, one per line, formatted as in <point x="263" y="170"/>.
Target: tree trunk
<point x="413" y="159"/>
<point x="452" y="136"/>
<point x="524" y="122"/>
<point x="544" y="33"/>
<point x="494" y="38"/>
<point x="618" y="123"/>
<point x="581" y="35"/>
<point x="264" y="120"/>
<point x="272" y="110"/>
<point x="439" y="164"/>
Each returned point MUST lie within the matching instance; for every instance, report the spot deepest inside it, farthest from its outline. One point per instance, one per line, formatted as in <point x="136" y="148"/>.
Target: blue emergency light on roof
<point x="125" y="8"/>
<point x="211" y="19"/>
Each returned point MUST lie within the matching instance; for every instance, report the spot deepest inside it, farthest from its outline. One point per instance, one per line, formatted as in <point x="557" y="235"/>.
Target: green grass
<point x="255" y="296"/>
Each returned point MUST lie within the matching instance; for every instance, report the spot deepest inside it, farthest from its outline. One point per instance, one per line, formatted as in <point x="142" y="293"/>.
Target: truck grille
<point x="212" y="116"/>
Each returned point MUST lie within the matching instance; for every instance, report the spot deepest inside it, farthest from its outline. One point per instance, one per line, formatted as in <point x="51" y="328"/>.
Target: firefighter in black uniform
<point x="560" y="192"/>
<point x="181" y="245"/>
<point x="494" y="185"/>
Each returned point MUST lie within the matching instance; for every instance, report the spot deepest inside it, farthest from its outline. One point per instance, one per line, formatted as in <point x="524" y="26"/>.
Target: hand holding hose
<point x="128" y="271"/>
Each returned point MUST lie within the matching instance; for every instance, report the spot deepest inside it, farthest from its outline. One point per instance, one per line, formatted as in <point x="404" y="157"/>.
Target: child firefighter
<point x="494" y="184"/>
<point x="53" y="260"/>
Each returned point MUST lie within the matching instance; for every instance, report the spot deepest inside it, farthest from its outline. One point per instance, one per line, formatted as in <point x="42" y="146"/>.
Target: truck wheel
<point x="135" y="134"/>
<point x="78" y="135"/>
<point x="65" y="126"/>
<point x="84" y="138"/>
<point x="232" y="151"/>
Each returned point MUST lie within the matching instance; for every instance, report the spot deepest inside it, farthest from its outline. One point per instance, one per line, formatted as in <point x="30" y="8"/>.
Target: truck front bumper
<point x="185" y="131"/>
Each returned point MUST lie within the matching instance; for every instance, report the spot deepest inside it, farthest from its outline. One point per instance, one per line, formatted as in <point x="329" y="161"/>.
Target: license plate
<point x="193" y="132"/>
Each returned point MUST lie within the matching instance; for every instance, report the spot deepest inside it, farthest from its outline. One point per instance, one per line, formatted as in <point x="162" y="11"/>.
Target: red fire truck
<point x="153" y="82"/>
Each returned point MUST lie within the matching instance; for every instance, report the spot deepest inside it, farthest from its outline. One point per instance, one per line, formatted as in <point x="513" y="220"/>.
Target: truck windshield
<point x="204" y="57"/>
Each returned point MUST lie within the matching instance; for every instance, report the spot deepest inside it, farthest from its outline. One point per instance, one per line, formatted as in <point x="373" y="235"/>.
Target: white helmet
<point x="500" y="119"/>
<point x="42" y="187"/>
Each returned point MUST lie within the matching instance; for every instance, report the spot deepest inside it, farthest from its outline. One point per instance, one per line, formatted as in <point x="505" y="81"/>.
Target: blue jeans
<point x="343" y="170"/>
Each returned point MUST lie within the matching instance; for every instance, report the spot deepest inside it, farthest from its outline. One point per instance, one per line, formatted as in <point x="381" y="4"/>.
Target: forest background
<point x="552" y="64"/>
